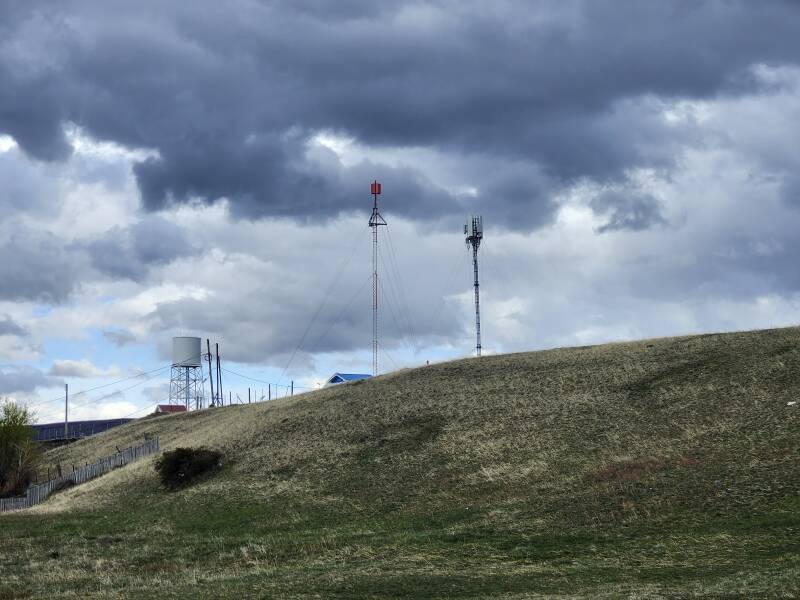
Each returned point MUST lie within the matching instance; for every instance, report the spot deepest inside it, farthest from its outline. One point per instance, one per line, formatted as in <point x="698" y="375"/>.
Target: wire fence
<point x="37" y="493"/>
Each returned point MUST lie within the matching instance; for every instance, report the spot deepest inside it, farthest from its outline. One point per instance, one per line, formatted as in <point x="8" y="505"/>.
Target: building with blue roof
<point x="337" y="378"/>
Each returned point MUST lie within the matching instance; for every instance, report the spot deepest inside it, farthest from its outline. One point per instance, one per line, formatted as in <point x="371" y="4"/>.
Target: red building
<point x="170" y="408"/>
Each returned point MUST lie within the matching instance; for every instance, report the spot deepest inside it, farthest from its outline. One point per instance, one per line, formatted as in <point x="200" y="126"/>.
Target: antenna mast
<point x="375" y="221"/>
<point x="474" y="232"/>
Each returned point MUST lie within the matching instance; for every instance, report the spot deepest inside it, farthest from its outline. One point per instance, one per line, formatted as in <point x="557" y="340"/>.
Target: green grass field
<point x="663" y="468"/>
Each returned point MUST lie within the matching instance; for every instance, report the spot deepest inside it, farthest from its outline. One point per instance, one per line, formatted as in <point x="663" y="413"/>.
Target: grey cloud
<point x="34" y="266"/>
<point x="273" y="177"/>
<point x="132" y="251"/>
<point x="24" y="379"/>
<point x="262" y="310"/>
<point x="26" y="187"/>
<point x="41" y="267"/>
<point x="627" y="210"/>
<point x="228" y="104"/>
<point x="790" y="189"/>
<point x="10" y="327"/>
<point x="156" y="394"/>
<point x="79" y="368"/>
<point x="119" y="337"/>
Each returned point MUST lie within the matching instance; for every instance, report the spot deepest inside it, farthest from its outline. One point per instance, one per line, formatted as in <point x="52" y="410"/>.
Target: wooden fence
<point x="37" y="493"/>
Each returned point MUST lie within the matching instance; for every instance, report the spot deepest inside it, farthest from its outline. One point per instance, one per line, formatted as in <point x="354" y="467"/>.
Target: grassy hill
<point x="666" y="467"/>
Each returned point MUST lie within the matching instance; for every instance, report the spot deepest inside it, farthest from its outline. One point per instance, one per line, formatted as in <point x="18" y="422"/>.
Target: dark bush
<point x="180" y="467"/>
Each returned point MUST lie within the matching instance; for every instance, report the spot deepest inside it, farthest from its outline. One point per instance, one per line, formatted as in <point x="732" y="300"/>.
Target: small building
<point x="166" y="409"/>
<point x="337" y="378"/>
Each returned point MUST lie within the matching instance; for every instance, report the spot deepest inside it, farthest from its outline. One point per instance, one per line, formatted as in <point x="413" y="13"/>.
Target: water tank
<point x="186" y="351"/>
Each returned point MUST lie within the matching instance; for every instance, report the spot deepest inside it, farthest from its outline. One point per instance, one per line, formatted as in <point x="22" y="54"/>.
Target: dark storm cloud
<point x="627" y="210"/>
<point x="297" y="188"/>
<point x="24" y="379"/>
<point x="228" y="94"/>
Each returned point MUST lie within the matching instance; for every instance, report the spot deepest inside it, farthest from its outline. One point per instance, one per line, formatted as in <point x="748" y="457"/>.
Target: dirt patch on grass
<point x="407" y="435"/>
<point x="675" y="374"/>
<point x="628" y="470"/>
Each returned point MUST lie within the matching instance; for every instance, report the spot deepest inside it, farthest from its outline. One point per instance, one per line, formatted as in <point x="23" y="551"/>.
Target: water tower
<point x="186" y="380"/>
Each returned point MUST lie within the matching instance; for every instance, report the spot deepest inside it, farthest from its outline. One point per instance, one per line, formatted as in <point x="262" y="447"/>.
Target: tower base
<point x="186" y="387"/>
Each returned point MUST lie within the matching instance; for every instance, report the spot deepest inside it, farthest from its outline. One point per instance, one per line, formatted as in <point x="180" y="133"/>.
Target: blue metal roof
<point x="343" y="377"/>
<point x="353" y="376"/>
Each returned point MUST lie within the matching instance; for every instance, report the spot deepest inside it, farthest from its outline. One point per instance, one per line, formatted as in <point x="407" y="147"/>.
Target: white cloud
<point x="81" y="369"/>
<point x="7" y="143"/>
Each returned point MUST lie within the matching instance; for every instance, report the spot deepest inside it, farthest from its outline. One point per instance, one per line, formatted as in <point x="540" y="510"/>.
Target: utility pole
<point x="474" y="232"/>
<point x="66" y="411"/>
<point x="219" y="378"/>
<point x="210" y="376"/>
<point x="375" y="221"/>
<point x="292" y="394"/>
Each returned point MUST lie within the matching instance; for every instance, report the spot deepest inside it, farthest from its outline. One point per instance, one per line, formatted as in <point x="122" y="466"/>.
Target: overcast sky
<point x="203" y="168"/>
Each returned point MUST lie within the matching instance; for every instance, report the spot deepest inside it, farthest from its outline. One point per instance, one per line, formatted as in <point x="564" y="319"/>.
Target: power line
<point x="106" y="396"/>
<point x="128" y="416"/>
<point x="396" y="366"/>
<point x="99" y="387"/>
<point x="262" y="380"/>
<point x="398" y="274"/>
<point x="338" y="318"/>
<point x="390" y="290"/>
<point x="332" y="285"/>
<point x="460" y="260"/>
<point x="394" y="318"/>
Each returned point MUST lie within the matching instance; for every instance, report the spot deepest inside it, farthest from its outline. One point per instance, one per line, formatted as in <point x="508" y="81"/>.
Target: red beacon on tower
<point x="375" y="188"/>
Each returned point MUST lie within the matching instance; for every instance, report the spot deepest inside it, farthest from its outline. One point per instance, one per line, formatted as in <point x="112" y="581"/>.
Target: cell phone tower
<point x="375" y="221"/>
<point x="474" y="232"/>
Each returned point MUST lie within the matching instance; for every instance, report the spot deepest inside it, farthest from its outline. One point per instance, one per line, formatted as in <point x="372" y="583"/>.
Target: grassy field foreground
<point x="662" y="468"/>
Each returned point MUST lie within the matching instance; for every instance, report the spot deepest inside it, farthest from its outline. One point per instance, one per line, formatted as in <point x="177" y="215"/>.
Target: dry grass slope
<point x="661" y="467"/>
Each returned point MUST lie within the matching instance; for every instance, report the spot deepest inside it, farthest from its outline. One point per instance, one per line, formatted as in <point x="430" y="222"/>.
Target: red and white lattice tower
<point x="375" y="221"/>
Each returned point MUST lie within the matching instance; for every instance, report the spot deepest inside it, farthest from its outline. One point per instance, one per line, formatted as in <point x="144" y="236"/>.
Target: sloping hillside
<point x="662" y="467"/>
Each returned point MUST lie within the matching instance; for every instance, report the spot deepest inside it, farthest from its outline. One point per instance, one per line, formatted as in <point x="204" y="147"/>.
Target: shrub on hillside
<point x="180" y="467"/>
<point x="19" y="454"/>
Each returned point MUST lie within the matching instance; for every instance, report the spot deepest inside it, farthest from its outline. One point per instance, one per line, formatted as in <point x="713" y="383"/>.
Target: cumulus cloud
<point x="119" y="337"/>
<point x="34" y="266"/>
<point x="24" y="379"/>
<point x="627" y="210"/>
<point x="130" y="252"/>
<point x="10" y="327"/>
<point x="80" y="368"/>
